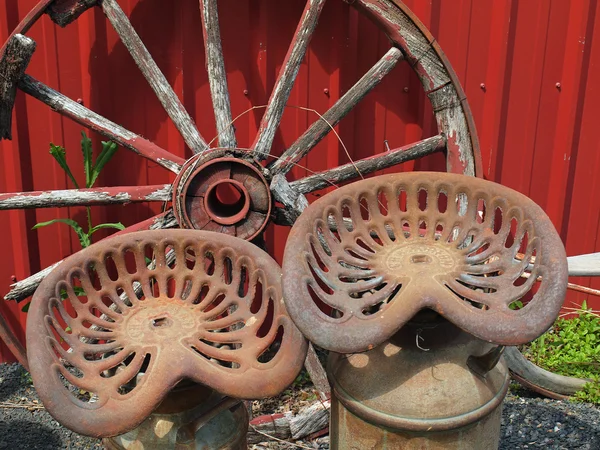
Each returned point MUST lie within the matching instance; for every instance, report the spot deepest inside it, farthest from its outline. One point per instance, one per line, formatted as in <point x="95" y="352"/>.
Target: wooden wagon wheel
<point x="195" y="204"/>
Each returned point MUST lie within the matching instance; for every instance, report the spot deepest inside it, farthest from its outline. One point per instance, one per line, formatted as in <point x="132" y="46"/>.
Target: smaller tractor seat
<point x="117" y="326"/>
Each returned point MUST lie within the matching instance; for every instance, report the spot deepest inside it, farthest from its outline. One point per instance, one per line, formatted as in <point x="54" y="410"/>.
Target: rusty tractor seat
<point x="118" y="325"/>
<point x="362" y="260"/>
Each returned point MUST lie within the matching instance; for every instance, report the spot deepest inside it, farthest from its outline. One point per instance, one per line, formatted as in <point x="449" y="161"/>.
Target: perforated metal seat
<point x="118" y="325"/>
<point x="364" y="259"/>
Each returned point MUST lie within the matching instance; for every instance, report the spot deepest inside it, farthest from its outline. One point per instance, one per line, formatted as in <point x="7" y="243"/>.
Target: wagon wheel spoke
<point x="26" y="287"/>
<point x="154" y="76"/>
<point x="86" y="117"/>
<point x="85" y="197"/>
<point x="319" y="129"/>
<point x="217" y="76"/>
<point x="371" y="164"/>
<point x="286" y="78"/>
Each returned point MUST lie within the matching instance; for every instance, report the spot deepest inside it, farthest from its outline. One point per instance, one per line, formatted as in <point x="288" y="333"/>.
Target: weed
<point x="302" y="379"/>
<point x="572" y="348"/>
<point x="26" y="378"/>
<point x="92" y="170"/>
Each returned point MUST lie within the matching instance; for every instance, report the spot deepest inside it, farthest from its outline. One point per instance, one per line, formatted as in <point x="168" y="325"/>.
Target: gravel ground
<point x="528" y="422"/>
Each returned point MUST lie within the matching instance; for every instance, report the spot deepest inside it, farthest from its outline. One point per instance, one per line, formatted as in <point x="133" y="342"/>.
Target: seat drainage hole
<point x="421" y="259"/>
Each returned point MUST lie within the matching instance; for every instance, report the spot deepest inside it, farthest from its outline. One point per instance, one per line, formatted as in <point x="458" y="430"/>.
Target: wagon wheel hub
<point x="221" y="192"/>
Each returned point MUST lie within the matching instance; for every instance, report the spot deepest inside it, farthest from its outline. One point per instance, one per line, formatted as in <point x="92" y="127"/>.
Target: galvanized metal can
<point x="416" y="391"/>
<point x="197" y="418"/>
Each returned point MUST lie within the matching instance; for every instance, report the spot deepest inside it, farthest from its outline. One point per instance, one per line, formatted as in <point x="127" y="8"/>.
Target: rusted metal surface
<point x="128" y="332"/>
<point x="401" y="26"/>
<point x="12" y="342"/>
<point x="220" y="192"/>
<point x="482" y="364"/>
<point x="415" y="391"/>
<point x="364" y="259"/>
<point x="128" y="26"/>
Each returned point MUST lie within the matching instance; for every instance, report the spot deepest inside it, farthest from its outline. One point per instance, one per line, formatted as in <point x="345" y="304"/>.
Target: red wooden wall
<point x="529" y="68"/>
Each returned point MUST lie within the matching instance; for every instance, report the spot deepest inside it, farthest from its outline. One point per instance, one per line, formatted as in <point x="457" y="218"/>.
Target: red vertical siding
<point x="529" y="69"/>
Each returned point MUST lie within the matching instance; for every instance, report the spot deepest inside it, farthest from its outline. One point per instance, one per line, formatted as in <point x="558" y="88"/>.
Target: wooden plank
<point x="159" y="84"/>
<point x="317" y="375"/>
<point x="274" y="426"/>
<point x="584" y="265"/>
<point x="318" y="130"/>
<point x="15" y="60"/>
<point x="86" y="197"/>
<point x="285" y="81"/>
<point x="307" y="421"/>
<point x="217" y="76"/>
<point x="310" y="419"/>
<point x="80" y="114"/>
<point x="368" y="165"/>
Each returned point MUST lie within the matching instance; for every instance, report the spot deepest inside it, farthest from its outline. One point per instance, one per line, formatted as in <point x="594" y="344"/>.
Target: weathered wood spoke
<point x="13" y="62"/>
<point x="26" y="287"/>
<point x="319" y="129"/>
<point x="294" y="203"/>
<point x="368" y="165"/>
<point x="285" y="80"/>
<point x="154" y="76"/>
<point x="85" y="197"/>
<point x="80" y="114"/>
<point x="217" y="76"/>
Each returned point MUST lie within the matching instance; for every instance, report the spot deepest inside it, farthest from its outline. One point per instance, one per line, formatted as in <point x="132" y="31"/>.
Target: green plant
<point x="572" y="348"/>
<point x="92" y="170"/>
<point x="302" y="379"/>
<point x="26" y="378"/>
<point x="517" y="304"/>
